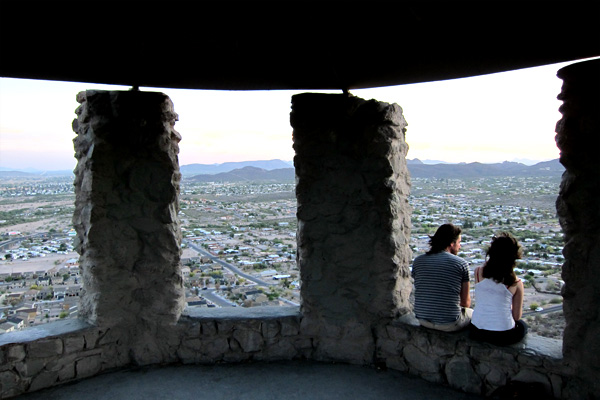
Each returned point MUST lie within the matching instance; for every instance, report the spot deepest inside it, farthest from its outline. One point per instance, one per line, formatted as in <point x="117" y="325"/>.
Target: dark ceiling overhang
<point x="289" y="45"/>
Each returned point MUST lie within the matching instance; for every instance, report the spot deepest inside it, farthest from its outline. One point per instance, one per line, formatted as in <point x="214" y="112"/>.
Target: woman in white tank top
<point x="499" y="295"/>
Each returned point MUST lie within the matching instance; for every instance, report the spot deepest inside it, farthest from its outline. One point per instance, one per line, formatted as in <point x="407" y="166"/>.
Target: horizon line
<point x="425" y="161"/>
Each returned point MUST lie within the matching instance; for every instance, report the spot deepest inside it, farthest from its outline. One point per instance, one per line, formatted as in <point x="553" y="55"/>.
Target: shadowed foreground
<point x="289" y="380"/>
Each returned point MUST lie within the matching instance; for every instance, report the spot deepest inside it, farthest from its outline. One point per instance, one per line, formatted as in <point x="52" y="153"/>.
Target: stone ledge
<point x="541" y="346"/>
<point x="474" y="366"/>
<point x="239" y="313"/>
<point x="51" y="329"/>
<point x="59" y="328"/>
<point x="532" y="345"/>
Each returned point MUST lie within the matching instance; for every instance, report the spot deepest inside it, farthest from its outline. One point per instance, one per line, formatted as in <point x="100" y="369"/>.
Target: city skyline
<point x="509" y="116"/>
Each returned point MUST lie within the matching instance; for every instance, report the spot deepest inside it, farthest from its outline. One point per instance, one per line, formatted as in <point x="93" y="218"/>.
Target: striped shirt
<point x="438" y="282"/>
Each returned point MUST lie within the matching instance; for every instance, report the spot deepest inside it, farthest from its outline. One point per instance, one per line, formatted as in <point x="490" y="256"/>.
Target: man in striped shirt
<point x="442" y="283"/>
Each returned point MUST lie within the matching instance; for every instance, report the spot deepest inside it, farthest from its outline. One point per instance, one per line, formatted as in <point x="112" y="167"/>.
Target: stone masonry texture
<point x="73" y="350"/>
<point x="578" y="207"/>
<point x="127" y="200"/>
<point x="353" y="218"/>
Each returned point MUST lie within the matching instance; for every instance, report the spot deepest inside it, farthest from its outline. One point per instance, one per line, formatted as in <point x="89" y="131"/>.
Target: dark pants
<point x="500" y="338"/>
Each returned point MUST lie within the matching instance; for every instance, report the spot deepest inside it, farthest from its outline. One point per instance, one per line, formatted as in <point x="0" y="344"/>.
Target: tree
<point x="533" y="306"/>
<point x="216" y="275"/>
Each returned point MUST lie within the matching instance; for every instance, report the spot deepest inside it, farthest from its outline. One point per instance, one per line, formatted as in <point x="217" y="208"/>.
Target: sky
<point x="508" y="116"/>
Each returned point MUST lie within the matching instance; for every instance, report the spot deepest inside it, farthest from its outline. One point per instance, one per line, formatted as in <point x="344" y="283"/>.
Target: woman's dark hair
<point x="501" y="259"/>
<point x="444" y="237"/>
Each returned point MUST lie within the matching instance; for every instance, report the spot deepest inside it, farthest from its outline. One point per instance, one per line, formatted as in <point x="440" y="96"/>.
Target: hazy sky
<point x="493" y="118"/>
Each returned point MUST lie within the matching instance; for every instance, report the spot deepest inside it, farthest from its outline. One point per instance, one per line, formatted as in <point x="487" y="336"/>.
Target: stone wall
<point x="70" y="350"/>
<point x="578" y="206"/>
<point x="353" y="219"/>
<point x="67" y="351"/>
<point x="476" y="367"/>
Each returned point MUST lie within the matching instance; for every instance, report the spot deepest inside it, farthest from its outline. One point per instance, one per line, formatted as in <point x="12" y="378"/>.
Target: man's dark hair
<point x="444" y="237"/>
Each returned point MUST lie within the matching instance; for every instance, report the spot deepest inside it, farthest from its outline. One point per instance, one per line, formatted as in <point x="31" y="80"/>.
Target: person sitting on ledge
<point x="442" y="283"/>
<point x="499" y="295"/>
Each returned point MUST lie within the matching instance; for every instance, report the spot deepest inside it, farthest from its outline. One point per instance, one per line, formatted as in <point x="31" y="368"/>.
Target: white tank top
<point x="493" y="303"/>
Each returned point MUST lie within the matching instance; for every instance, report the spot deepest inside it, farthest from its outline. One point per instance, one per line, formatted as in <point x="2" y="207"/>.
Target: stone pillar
<point x="353" y="219"/>
<point x="127" y="200"/>
<point x="578" y="206"/>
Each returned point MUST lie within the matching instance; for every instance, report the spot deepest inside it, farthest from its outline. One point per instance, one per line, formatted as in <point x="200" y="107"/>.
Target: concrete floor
<point x="252" y="381"/>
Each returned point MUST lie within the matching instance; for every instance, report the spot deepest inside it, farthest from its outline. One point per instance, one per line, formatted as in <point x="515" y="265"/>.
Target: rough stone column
<point x="127" y="200"/>
<point x="578" y="206"/>
<point x="353" y="219"/>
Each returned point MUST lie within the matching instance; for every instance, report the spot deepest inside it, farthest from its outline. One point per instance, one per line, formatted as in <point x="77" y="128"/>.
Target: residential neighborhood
<point x="239" y="241"/>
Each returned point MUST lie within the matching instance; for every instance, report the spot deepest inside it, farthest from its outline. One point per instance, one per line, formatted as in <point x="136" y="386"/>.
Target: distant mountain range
<point x="211" y="169"/>
<point x="248" y="174"/>
<point x="251" y="172"/>
<point x="283" y="171"/>
<point x="9" y="173"/>
<point x="478" y="170"/>
<point x="186" y="170"/>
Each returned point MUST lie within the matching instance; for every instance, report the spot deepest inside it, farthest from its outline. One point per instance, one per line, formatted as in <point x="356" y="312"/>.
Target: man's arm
<point x="465" y="295"/>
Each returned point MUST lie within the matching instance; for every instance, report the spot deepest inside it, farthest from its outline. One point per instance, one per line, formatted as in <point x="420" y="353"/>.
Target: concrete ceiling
<point x="288" y="45"/>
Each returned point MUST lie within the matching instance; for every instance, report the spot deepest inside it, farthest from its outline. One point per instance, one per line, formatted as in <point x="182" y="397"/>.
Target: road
<point x="230" y="267"/>
<point x="19" y="239"/>
<point x="209" y="294"/>
<point x="218" y="300"/>
<point x="544" y="311"/>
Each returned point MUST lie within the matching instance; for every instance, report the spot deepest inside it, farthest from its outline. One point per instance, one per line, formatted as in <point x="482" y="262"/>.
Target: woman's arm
<point x="517" y="301"/>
